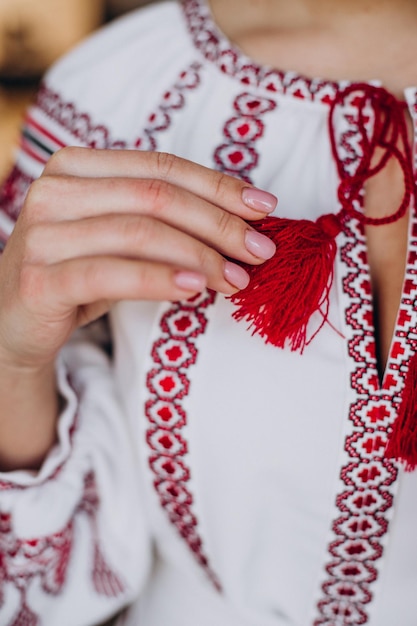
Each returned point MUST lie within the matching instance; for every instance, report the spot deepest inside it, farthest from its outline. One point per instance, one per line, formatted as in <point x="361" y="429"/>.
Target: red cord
<point x="389" y="132"/>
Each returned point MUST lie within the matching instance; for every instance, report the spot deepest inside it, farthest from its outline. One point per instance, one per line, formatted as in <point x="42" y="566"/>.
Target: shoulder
<point x="118" y="72"/>
<point x="144" y="32"/>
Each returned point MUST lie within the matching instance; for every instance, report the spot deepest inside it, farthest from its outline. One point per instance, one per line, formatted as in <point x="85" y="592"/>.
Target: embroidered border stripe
<point x="37" y="142"/>
<point x="368" y="484"/>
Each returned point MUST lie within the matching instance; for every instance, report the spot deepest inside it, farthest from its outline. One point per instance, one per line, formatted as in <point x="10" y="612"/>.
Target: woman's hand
<point x="102" y="226"/>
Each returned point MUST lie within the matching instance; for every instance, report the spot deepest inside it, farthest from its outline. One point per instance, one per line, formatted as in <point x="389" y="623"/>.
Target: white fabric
<point x="266" y="428"/>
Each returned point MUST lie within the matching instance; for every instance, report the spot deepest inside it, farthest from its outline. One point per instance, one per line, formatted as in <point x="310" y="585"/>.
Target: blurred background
<point x="33" y="33"/>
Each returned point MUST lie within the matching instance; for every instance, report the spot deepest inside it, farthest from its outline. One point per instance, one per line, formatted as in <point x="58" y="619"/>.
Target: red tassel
<point x="402" y="444"/>
<point x="284" y="292"/>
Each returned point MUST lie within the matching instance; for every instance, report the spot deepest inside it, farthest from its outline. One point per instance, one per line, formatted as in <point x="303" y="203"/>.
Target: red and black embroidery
<point x="175" y="351"/>
<point x="363" y="506"/>
<point x="413" y="108"/>
<point x="76" y="122"/>
<point x="39" y="143"/>
<point x="80" y="125"/>
<point x="168" y="384"/>
<point x="47" y="558"/>
<point x="217" y="49"/>
<point x="172" y="101"/>
<point x="13" y="193"/>
<point x="238" y="155"/>
<point x="106" y="582"/>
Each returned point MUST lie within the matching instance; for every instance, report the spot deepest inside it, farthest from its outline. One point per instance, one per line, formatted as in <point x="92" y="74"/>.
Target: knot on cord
<point x="384" y="136"/>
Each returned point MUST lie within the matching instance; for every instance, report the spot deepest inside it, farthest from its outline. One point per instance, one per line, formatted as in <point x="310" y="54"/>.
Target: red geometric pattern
<point x="93" y="135"/>
<point x="413" y="99"/>
<point x="363" y="506"/>
<point x="168" y="384"/>
<point x="166" y="415"/>
<point x="13" y="192"/>
<point x="172" y="100"/>
<point x="79" y="124"/>
<point x="175" y="351"/>
<point x="47" y="558"/>
<point x="217" y="49"/>
<point x="238" y="156"/>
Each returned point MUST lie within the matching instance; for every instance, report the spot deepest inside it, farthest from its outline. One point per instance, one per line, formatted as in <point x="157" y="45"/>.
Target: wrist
<point x="28" y="414"/>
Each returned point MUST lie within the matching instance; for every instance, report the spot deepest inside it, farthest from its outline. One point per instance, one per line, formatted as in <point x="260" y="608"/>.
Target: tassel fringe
<point x="402" y="444"/>
<point x="284" y="292"/>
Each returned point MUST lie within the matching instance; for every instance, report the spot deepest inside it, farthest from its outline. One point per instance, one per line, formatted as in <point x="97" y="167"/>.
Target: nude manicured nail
<point x="190" y="281"/>
<point x="259" y="200"/>
<point x="236" y="275"/>
<point x="259" y="245"/>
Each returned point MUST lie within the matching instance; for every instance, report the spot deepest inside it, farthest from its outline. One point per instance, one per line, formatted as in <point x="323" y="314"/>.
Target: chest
<point x="241" y="441"/>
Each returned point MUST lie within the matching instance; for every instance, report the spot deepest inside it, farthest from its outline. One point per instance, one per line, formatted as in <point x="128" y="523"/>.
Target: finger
<point x="229" y="192"/>
<point x="128" y="236"/>
<point x="84" y="281"/>
<point x="87" y="198"/>
<point x="135" y="238"/>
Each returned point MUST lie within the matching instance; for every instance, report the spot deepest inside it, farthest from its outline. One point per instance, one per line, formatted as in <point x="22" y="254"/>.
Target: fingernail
<point x="236" y="275"/>
<point x="259" y="200"/>
<point x="259" y="245"/>
<point x="190" y="281"/>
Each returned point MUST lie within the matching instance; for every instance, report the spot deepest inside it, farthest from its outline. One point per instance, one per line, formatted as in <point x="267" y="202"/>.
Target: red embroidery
<point x="47" y="558"/>
<point x="173" y="354"/>
<point x="238" y="156"/>
<point x="79" y="124"/>
<point x="413" y="98"/>
<point x="106" y="581"/>
<point x="363" y="506"/>
<point x="172" y="101"/>
<point x="176" y="351"/>
<point x="217" y="49"/>
<point x="13" y="192"/>
<point x="166" y="415"/>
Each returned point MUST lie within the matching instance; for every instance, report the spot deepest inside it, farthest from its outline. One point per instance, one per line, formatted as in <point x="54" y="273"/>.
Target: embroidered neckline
<point x="216" y="48"/>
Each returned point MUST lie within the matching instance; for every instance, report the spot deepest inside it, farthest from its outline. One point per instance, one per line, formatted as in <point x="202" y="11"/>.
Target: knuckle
<point x="146" y="280"/>
<point x="30" y="283"/>
<point x="221" y="184"/>
<point x="207" y="258"/>
<point x="224" y="224"/>
<point x="39" y="197"/>
<point x="32" y="243"/>
<point x="159" y="195"/>
<point x="93" y="277"/>
<point x="139" y="232"/>
<point x="62" y="159"/>
<point x="165" y="162"/>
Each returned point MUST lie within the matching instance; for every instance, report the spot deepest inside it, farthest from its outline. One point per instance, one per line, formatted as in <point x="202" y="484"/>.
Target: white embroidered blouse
<point x="204" y="477"/>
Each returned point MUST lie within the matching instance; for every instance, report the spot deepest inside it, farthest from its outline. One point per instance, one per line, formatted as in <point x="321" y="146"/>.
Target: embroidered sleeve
<point x="74" y="547"/>
<point x="73" y="540"/>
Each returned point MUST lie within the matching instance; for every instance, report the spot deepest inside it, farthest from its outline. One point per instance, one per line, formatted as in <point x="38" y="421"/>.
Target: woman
<point x="206" y="473"/>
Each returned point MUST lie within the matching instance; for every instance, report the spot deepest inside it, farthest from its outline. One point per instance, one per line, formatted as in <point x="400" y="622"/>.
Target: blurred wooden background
<point x="33" y="33"/>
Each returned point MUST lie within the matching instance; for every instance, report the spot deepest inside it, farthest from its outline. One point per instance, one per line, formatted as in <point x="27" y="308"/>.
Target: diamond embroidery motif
<point x="173" y="353"/>
<point x="362" y="510"/>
